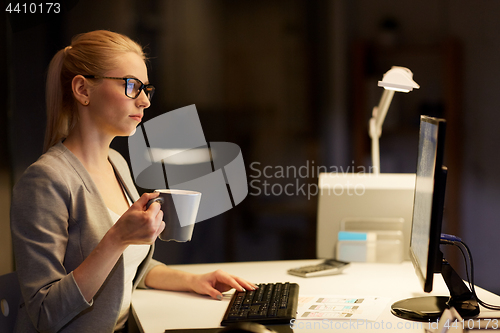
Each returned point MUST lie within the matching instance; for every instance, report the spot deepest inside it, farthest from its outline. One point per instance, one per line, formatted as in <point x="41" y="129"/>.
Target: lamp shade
<point x="398" y="79"/>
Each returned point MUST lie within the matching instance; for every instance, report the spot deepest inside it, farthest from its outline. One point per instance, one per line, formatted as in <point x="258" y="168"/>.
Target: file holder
<point x="382" y="246"/>
<point x="368" y="197"/>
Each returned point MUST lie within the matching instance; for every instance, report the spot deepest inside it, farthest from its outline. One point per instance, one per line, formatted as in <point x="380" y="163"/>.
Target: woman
<point x="83" y="238"/>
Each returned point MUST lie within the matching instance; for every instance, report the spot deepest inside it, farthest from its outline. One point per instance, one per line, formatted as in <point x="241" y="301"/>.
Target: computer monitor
<point x="425" y="253"/>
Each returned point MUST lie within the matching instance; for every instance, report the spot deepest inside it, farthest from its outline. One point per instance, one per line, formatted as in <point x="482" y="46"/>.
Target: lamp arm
<point x="375" y="126"/>
<point x="381" y="111"/>
<point x="375" y="150"/>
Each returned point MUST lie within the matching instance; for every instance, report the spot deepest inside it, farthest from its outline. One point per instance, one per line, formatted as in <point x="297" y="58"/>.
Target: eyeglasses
<point x="133" y="87"/>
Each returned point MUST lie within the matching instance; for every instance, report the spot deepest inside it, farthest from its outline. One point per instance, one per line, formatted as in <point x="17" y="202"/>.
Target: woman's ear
<point x="81" y="90"/>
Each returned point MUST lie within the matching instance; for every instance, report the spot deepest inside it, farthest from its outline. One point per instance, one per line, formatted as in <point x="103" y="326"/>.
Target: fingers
<point x="160" y="229"/>
<point x="158" y="218"/>
<point x="154" y="209"/>
<point x="143" y="226"/>
<point x="217" y="282"/>
<point x="143" y="200"/>
<point x="245" y="284"/>
<point x="215" y="294"/>
<point x="227" y="282"/>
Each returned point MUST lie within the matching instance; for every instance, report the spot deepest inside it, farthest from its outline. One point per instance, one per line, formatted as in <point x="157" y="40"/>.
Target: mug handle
<point x="160" y="200"/>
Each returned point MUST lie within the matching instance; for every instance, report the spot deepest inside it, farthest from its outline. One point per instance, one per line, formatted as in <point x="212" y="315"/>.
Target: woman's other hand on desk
<point x="217" y="282"/>
<point x="138" y="225"/>
<point x="212" y="284"/>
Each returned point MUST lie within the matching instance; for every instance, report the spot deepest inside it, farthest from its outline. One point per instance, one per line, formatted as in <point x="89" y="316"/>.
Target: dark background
<point x="292" y="82"/>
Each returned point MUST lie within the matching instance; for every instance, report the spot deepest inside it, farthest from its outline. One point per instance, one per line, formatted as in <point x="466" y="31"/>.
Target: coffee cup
<point x="180" y="208"/>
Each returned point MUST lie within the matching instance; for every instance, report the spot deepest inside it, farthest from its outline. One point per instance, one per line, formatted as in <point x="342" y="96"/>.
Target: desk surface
<point x="156" y="310"/>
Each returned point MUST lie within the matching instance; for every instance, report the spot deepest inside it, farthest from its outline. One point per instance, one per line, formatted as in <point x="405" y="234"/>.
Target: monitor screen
<point x="424" y="244"/>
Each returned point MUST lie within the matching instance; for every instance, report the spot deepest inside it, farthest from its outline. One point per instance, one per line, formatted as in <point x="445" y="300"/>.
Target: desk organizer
<point x="380" y="246"/>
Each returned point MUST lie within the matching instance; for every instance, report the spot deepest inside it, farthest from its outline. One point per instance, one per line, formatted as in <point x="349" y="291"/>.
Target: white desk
<point x="156" y="311"/>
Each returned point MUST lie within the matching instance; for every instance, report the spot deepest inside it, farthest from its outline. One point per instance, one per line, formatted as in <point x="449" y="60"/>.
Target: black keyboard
<point x="272" y="303"/>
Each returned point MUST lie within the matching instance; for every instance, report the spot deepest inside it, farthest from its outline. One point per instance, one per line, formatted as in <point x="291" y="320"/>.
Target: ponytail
<point x="57" y="118"/>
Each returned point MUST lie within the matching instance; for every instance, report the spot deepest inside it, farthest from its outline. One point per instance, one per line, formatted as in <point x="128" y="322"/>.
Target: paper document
<point x="341" y="307"/>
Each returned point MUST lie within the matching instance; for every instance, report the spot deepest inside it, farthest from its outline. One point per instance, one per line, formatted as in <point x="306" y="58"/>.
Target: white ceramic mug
<point x="179" y="208"/>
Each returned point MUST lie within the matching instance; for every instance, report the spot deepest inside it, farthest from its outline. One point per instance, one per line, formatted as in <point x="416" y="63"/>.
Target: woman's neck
<point x="91" y="150"/>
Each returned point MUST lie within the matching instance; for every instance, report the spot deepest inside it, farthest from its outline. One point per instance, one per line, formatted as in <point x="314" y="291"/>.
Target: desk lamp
<point x="396" y="79"/>
<point x="386" y="200"/>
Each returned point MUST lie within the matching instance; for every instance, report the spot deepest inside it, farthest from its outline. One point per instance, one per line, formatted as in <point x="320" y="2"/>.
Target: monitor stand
<point x="430" y="308"/>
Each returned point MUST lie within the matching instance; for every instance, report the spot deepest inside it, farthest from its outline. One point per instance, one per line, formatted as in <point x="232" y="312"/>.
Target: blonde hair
<point x="91" y="53"/>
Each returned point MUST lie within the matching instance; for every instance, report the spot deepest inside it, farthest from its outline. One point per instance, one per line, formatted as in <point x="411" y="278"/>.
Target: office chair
<point x="10" y="295"/>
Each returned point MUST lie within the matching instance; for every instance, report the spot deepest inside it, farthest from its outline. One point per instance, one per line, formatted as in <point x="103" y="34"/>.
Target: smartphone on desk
<point x="327" y="267"/>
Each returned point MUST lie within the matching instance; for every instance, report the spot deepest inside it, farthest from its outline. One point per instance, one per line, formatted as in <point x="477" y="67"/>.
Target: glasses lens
<point x="149" y="90"/>
<point x="133" y="88"/>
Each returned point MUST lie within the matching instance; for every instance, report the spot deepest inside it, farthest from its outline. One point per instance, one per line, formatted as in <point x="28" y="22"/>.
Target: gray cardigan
<point x="57" y="218"/>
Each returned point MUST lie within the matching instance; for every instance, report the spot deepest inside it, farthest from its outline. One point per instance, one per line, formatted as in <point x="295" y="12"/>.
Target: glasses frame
<point x="148" y="88"/>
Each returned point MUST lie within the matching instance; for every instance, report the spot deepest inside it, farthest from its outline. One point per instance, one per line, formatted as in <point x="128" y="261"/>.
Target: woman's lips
<point x="136" y="117"/>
